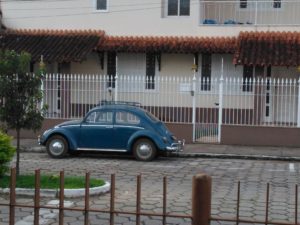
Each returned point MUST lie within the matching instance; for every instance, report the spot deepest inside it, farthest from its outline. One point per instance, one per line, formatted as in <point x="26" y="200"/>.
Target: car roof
<point x="119" y="106"/>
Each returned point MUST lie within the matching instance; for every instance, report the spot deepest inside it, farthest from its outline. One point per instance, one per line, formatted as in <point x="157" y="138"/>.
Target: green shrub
<point x="7" y="152"/>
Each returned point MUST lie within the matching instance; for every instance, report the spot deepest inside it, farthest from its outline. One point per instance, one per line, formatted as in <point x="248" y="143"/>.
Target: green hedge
<point x="7" y="152"/>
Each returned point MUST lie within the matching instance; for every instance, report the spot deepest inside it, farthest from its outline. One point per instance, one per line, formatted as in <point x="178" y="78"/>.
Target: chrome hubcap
<point x="144" y="150"/>
<point x="56" y="147"/>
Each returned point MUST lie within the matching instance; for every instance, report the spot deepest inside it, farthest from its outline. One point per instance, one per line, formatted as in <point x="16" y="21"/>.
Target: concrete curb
<point x="235" y="156"/>
<point x="41" y="149"/>
<point x="54" y="193"/>
<point x="37" y="149"/>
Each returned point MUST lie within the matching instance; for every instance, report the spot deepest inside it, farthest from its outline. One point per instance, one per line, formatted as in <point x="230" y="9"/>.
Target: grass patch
<point x="50" y="182"/>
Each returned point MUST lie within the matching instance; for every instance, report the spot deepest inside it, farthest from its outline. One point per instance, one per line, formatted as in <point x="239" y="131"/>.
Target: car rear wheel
<point x="57" y="146"/>
<point x="144" y="150"/>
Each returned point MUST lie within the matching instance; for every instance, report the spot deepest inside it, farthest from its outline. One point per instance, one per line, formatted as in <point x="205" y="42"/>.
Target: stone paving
<point x="253" y="174"/>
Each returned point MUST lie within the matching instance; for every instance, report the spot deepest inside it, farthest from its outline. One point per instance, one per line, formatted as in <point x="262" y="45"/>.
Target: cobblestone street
<point x="254" y="175"/>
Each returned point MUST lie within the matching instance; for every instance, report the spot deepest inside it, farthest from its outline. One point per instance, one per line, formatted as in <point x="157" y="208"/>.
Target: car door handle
<point x="110" y="126"/>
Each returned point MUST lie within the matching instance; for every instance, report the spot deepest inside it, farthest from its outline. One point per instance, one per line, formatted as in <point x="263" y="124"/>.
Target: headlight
<point x="46" y="131"/>
<point x="165" y="139"/>
<point x="174" y="138"/>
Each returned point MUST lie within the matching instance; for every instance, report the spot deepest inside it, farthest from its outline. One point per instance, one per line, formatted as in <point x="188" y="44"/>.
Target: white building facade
<point x="193" y="39"/>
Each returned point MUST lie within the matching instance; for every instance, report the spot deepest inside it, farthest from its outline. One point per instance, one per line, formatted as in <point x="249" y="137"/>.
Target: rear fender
<point x="156" y="139"/>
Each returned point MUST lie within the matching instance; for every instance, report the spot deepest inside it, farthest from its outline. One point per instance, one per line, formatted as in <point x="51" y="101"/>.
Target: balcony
<point x="250" y="13"/>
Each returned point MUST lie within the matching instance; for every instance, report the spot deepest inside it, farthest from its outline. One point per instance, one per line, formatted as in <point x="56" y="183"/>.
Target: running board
<point x="101" y="150"/>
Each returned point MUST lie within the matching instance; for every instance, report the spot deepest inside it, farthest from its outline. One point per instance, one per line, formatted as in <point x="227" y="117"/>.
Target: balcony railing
<point x="248" y="12"/>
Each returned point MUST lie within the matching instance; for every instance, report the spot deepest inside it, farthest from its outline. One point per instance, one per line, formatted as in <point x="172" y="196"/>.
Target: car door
<point x="97" y="131"/>
<point x="126" y="124"/>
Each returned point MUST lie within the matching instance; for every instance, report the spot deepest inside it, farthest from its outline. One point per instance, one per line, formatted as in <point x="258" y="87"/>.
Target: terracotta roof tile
<point x="268" y="48"/>
<point x="167" y="44"/>
<point x="54" y="45"/>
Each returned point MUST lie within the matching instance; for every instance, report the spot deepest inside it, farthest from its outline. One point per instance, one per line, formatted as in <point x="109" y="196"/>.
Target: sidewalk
<point x="210" y="150"/>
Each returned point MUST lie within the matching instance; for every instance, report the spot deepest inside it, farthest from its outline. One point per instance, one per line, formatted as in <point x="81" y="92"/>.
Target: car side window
<point x="105" y="117"/>
<point x="127" y="118"/>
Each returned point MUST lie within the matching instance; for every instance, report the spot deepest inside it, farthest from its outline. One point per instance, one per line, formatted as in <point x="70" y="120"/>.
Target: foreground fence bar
<point x="61" y="197"/>
<point x="267" y="204"/>
<point x="138" y="200"/>
<point x="165" y="201"/>
<point x="12" y="197"/>
<point x="238" y="203"/>
<point x="112" y="198"/>
<point x="201" y="203"/>
<point x="296" y="204"/>
<point x="37" y="197"/>
<point x="87" y="199"/>
<point x="201" y="199"/>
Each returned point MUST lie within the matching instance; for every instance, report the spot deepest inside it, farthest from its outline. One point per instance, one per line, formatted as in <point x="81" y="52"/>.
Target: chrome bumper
<point x="176" y="147"/>
<point x="40" y="140"/>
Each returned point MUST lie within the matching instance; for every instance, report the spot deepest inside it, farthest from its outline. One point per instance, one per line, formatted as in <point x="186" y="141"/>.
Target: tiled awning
<point x="268" y="48"/>
<point x="168" y="44"/>
<point x="249" y="48"/>
<point x="53" y="45"/>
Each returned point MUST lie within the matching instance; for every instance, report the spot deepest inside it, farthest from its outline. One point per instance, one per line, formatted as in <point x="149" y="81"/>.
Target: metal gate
<point x="208" y="111"/>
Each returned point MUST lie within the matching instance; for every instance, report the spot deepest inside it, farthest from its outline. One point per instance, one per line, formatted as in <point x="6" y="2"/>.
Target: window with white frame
<point x="243" y="4"/>
<point x="178" y="7"/>
<point x="111" y="69"/>
<point x="260" y="5"/>
<point x="247" y="78"/>
<point x="150" y="71"/>
<point x="277" y="4"/>
<point x="206" y="72"/>
<point x="101" y="5"/>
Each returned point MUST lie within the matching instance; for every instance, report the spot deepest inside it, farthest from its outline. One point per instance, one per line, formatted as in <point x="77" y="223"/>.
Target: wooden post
<point x="201" y="199"/>
<point x="12" y="196"/>
<point x="37" y="188"/>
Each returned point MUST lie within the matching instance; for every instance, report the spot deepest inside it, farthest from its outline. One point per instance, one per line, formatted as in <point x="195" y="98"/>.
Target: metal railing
<point x="201" y="204"/>
<point x="253" y="102"/>
<point x="251" y="12"/>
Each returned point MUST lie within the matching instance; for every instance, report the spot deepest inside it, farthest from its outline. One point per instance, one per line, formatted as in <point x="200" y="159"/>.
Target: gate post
<point x="194" y="107"/>
<point x="116" y="81"/>
<point x="201" y="199"/>
<point x="193" y="94"/>
<point x="298" y="111"/>
<point x="220" y="110"/>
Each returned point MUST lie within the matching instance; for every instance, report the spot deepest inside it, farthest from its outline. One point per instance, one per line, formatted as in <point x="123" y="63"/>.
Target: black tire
<point x="57" y="146"/>
<point x="144" y="150"/>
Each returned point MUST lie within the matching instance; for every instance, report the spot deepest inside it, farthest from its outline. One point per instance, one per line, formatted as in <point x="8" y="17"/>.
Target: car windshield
<point x="152" y="117"/>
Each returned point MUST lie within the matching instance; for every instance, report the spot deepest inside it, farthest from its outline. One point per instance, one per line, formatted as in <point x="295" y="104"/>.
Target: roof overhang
<point x="167" y="44"/>
<point x="268" y="49"/>
<point x="53" y="45"/>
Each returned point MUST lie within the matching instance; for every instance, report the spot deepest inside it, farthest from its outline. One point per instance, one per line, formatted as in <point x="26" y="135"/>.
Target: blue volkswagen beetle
<point x="112" y="127"/>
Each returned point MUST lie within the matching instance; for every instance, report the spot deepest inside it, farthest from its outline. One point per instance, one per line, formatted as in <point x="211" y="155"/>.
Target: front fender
<point x="157" y="139"/>
<point x="65" y="133"/>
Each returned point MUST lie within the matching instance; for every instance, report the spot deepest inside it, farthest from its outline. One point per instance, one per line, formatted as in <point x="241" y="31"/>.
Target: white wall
<point x="89" y="66"/>
<point x="124" y="17"/>
<point x="132" y="64"/>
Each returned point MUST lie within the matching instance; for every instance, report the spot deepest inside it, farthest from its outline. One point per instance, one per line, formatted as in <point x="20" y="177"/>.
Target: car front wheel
<point x="57" y="146"/>
<point x="144" y="150"/>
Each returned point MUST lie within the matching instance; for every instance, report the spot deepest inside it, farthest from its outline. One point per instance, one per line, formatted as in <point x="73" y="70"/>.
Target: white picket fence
<point x="180" y="99"/>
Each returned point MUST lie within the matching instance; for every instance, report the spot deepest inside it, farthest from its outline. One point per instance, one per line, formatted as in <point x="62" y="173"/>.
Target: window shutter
<point x="150" y="70"/>
<point x="111" y="68"/>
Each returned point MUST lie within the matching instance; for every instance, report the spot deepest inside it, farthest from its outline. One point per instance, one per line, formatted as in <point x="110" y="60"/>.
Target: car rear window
<point x="127" y="118"/>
